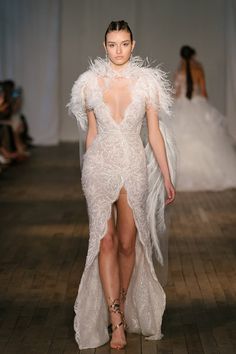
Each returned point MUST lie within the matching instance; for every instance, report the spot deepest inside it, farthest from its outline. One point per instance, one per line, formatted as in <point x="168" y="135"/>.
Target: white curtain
<point x="231" y="66"/>
<point x="29" y="46"/>
<point x="31" y="32"/>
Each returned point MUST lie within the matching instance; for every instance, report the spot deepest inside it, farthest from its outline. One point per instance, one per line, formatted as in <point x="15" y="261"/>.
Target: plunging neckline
<point x="108" y="108"/>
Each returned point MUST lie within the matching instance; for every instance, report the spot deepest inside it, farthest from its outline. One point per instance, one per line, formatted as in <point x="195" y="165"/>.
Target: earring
<point x="107" y="58"/>
<point x="131" y="56"/>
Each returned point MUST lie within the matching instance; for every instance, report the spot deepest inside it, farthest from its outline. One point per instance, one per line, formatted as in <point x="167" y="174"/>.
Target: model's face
<point x="119" y="47"/>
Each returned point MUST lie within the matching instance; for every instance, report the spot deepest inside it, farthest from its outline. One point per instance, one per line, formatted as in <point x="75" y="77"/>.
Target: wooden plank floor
<point x="43" y="241"/>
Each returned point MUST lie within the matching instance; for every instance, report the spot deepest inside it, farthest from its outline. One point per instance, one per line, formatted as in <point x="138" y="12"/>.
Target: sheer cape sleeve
<point x="79" y="105"/>
<point x="158" y="90"/>
<point x="79" y="100"/>
<point x="159" y="96"/>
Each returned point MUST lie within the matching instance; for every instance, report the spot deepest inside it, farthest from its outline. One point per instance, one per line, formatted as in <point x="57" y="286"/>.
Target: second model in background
<point x="207" y="158"/>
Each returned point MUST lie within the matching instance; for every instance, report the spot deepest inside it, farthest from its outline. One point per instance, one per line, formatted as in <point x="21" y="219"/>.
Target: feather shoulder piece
<point x="158" y="88"/>
<point x="79" y="102"/>
<point x="154" y="80"/>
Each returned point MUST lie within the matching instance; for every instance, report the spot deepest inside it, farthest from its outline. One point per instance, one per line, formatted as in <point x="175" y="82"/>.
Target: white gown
<point x="115" y="159"/>
<point x="206" y="155"/>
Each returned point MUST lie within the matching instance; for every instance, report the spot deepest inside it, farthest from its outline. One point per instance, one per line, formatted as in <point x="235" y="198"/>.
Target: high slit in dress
<point x="118" y="158"/>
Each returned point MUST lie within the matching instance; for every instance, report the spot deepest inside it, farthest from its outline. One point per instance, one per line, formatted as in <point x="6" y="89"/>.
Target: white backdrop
<point x="45" y="45"/>
<point x="29" y="50"/>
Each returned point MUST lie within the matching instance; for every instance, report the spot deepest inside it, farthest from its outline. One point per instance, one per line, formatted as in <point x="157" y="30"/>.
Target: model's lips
<point x="119" y="57"/>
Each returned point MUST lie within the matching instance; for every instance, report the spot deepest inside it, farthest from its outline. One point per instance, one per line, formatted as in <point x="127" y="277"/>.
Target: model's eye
<point x="126" y="44"/>
<point x="111" y="45"/>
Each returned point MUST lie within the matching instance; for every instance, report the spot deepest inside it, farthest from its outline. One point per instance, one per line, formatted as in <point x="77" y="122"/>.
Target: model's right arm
<point x="92" y="128"/>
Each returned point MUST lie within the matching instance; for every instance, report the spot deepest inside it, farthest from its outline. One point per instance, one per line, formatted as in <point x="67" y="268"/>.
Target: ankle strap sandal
<point x="114" y="307"/>
<point x="123" y="294"/>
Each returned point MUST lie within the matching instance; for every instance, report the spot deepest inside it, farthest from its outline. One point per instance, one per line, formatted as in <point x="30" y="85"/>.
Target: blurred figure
<point x="6" y="155"/>
<point x="14" y="98"/>
<point x="14" y="138"/>
<point x="207" y="159"/>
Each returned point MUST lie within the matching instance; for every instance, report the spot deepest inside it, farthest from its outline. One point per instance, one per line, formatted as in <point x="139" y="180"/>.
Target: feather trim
<point x="78" y="104"/>
<point x="157" y="86"/>
<point x="154" y="83"/>
<point x="159" y="90"/>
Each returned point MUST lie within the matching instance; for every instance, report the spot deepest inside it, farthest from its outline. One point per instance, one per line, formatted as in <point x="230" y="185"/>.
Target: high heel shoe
<point x="114" y="308"/>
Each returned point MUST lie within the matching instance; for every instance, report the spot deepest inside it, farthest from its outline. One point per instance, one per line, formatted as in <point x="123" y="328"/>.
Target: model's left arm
<point x="158" y="146"/>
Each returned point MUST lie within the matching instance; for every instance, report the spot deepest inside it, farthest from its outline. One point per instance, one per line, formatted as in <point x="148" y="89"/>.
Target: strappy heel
<point x="123" y="294"/>
<point x="114" y="308"/>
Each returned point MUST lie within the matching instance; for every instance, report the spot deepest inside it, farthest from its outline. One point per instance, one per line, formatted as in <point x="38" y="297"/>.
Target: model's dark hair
<point x="118" y="26"/>
<point x="187" y="53"/>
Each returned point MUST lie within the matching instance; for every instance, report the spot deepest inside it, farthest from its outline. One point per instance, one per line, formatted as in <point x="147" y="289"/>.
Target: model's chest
<point x="118" y="97"/>
<point x="116" y="94"/>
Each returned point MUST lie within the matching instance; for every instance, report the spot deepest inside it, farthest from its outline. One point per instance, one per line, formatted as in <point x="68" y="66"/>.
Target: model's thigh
<point x="109" y="240"/>
<point x="125" y="221"/>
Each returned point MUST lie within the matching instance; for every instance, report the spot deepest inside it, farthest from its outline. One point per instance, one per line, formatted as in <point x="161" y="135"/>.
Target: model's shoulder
<point x="147" y="71"/>
<point x="153" y="74"/>
<point x="156" y="85"/>
<point x="98" y="67"/>
<point x="85" y="76"/>
<point x="154" y="70"/>
<point x="84" y="80"/>
<point x="147" y="68"/>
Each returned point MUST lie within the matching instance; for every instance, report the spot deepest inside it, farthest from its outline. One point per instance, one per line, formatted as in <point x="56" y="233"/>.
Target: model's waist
<point x="118" y="132"/>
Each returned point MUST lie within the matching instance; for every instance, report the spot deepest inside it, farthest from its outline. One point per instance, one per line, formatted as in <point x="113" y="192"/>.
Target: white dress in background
<point x="116" y="158"/>
<point x="206" y="155"/>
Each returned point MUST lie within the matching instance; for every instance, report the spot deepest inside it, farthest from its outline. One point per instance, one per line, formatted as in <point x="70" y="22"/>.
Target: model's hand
<point x="170" y="190"/>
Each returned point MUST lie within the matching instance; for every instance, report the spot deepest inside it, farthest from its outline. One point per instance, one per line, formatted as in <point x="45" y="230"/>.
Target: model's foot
<point x="118" y="339"/>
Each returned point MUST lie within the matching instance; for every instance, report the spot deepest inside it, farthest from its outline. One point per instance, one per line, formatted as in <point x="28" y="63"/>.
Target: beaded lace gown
<point x="207" y="157"/>
<point x="117" y="158"/>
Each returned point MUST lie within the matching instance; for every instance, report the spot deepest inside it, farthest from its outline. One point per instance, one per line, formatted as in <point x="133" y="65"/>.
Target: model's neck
<point x="117" y="67"/>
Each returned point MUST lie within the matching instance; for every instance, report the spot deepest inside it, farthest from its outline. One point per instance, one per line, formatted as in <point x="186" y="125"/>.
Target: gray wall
<point x="160" y="28"/>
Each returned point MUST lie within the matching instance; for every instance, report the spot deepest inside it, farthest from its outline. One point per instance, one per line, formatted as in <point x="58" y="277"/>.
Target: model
<point x="207" y="157"/>
<point x="126" y="192"/>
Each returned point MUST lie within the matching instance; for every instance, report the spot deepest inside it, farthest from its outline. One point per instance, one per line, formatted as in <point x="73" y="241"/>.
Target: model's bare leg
<point x="126" y="230"/>
<point x="110" y="278"/>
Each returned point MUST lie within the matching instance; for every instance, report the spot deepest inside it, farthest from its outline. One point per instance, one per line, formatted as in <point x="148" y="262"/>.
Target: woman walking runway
<point x="125" y="186"/>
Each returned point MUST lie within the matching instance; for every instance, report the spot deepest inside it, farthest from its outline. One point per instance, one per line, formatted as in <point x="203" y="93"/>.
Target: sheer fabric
<point x="117" y="96"/>
<point x="117" y="158"/>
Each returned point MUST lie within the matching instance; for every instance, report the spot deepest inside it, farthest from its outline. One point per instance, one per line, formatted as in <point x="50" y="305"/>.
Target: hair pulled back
<point x="187" y="53"/>
<point x="118" y="26"/>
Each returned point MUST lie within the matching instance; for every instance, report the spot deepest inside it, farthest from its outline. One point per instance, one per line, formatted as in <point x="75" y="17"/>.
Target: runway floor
<point x="43" y="242"/>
